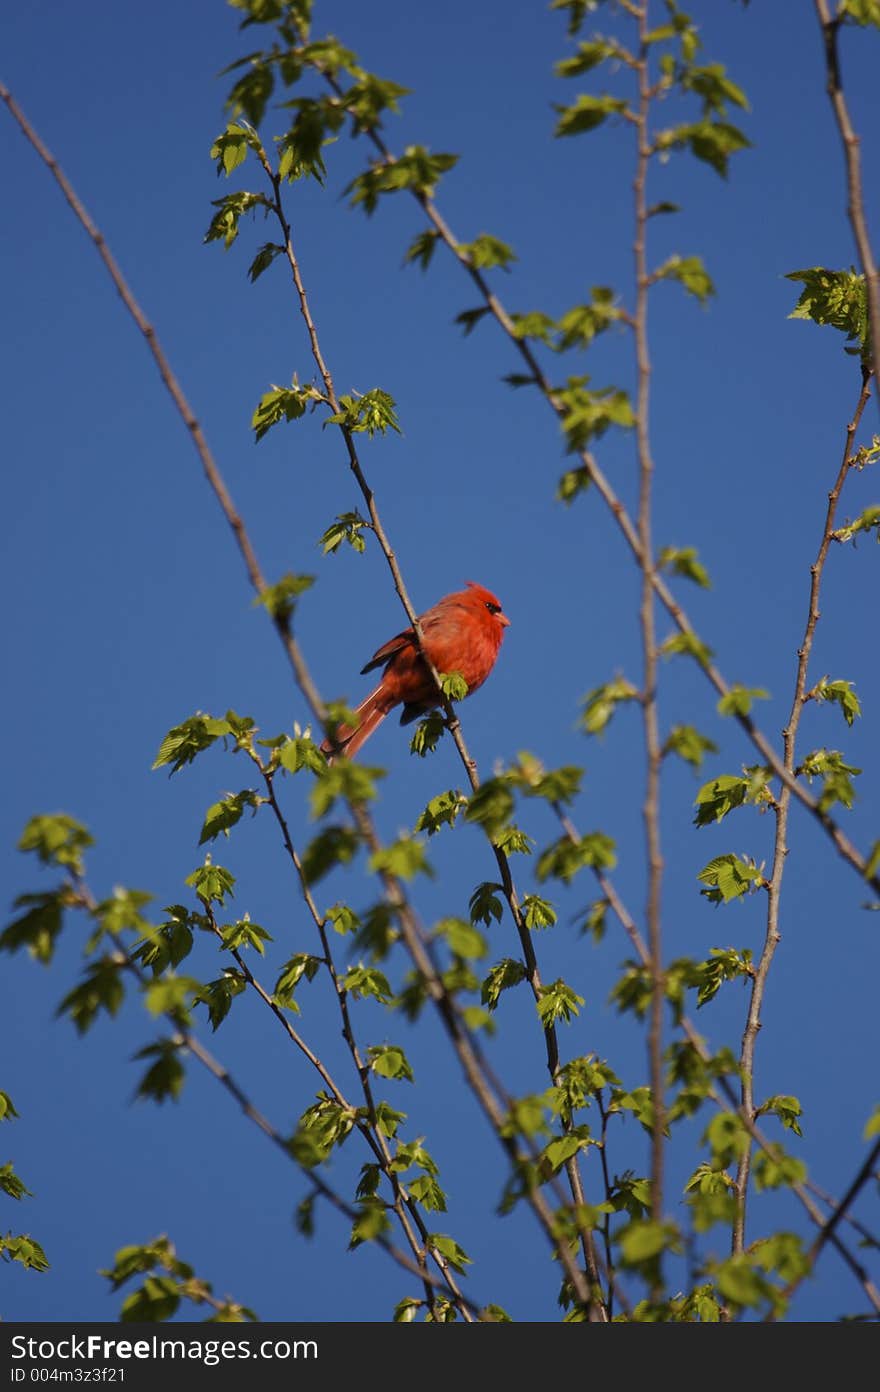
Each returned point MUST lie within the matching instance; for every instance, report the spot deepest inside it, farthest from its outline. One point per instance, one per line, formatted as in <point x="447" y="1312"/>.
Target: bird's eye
<point x="493" y="608"/>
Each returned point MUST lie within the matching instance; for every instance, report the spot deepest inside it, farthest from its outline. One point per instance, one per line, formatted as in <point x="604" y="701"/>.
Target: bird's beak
<point x="503" y="620"/>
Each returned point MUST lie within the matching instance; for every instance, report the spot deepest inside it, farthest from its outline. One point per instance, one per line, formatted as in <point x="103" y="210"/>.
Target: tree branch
<point x="780" y="811"/>
<point x="853" y="160"/>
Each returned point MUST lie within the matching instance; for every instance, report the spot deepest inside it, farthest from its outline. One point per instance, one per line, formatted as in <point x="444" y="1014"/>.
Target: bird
<point x="462" y="633"/>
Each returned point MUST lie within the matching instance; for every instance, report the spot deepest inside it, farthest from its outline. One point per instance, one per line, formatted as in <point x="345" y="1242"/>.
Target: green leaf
<point x="416" y="169"/>
<point x="170" y="995"/>
<point x="486" y="251"/>
<point x="25" y="1250"/>
<point x="211" y="882"/>
<point x="787" y="1109"/>
<point x="7" y="1109"/>
<point x="38" y="927"/>
<point x="224" y="225"/>
<point x="589" y="56"/>
<point x="185" y="742"/>
<point x="371" y="1222"/>
<point x="388" y="1120"/>
<point x="371" y="413"/>
<point x="558" y="1002"/>
<point x="243" y="933"/>
<point x="363" y="981"/>
<point x="456" y="1256"/>
<point x="389" y="1061"/>
<point x="427" y="733"/>
<point x="774" y="1169"/>
<point x="441" y="811"/>
<point x="842" y="694"/>
<point x="534" y="324"/>
<point x="738" y="700"/>
<point x="586" y="113"/>
<point x="335" y="845"/>
<point x="484" y="903"/>
<point x="565" y="857"/>
<point x="405" y="859"/>
<point x="503" y="975"/>
<point x="711" y="83"/>
<point x="427" y="1192"/>
<point x="580" y="325"/>
<point x="422" y="248"/>
<point x="723" y="964"/>
<point x="601" y="703"/>
<point x="218" y="995"/>
<point x="872" y="1125"/>
<point x="463" y="938"/>
<point x="301" y="964"/>
<point x="869" y="521"/>
<point x="718" y="797"/>
<point x="406" y="1309"/>
<point x="281" y="403"/>
<point x="12" y="1185"/>
<point x="470" y="318"/>
<point x="369" y="97"/>
<point x="587" y="415"/>
<point x="321" y="1127"/>
<point x="689" y="645"/>
<point x="683" y="561"/>
<point x="491" y="806"/>
<point x="347" y="527"/>
<point x="56" y="840"/>
<point x="712" y="142"/>
<point x="835" y="298"/>
<point x="224" y="815"/>
<point x="690" y="272"/>
<point x="836" y="775"/>
<point x="343" y="919"/>
<point x="100" y="989"/>
<point x="299" y="753"/>
<point x="538" y="913"/>
<point x="727" y="877"/>
<point x="862" y="12"/>
<point x="573" y="482"/>
<point x="165" y="1077"/>
<point x="231" y="146"/>
<point x="343" y="781"/>
<point x="641" y="1240"/>
<point x="263" y="260"/>
<point x="560" y="785"/>
<point x="689" y="744"/>
<point x="279" y="600"/>
<point x="577" y="12"/>
<point x="453" y="685"/>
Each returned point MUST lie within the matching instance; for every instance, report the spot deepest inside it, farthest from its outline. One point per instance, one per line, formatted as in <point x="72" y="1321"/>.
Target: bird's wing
<point x="389" y="650"/>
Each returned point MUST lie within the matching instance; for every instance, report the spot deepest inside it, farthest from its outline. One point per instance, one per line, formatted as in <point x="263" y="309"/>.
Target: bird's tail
<point x="349" y="738"/>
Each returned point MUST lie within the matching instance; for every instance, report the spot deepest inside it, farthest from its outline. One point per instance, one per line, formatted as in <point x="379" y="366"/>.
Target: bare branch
<point x="853" y="159"/>
<point x="780" y="812"/>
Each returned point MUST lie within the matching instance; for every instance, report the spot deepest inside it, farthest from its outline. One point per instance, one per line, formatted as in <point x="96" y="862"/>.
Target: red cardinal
<point x="462" y="633"/>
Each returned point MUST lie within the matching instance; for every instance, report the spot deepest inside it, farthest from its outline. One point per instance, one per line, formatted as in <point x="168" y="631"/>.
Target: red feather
<point x="462" y="633"/>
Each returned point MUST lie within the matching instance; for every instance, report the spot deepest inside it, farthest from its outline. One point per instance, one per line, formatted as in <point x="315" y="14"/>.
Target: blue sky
<point x="126" y="607"/>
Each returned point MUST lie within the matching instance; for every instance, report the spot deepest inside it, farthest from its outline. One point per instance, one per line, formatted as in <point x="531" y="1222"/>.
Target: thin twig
<point x="826" y="1232"/>
<point x="852" y="156"/>
<point x="653" y="748"/>
<point x="780" y="811"/>
<point x="369" y="1128"/>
